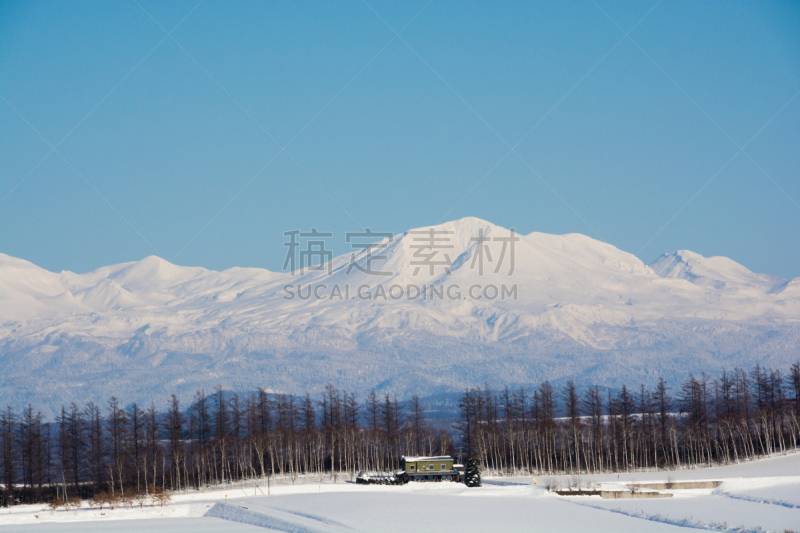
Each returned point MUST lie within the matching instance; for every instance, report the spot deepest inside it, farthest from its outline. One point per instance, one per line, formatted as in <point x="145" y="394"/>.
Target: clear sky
<point x="253" y="118"/>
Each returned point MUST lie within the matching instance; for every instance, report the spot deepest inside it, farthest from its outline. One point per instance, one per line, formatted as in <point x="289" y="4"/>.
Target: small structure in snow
<point x="365" y="478"/>
<point x="439" y="468"/>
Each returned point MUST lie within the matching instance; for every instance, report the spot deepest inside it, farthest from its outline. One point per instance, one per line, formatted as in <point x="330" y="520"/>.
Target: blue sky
<point x="251" y="119"/>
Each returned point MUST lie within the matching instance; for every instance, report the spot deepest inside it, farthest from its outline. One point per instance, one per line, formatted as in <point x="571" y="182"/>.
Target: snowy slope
<point x="579" y="307"/>
<point x="716" y="272"/>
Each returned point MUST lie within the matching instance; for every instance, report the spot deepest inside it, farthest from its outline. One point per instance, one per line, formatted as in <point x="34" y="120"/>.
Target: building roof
<point x="414" y="458"/>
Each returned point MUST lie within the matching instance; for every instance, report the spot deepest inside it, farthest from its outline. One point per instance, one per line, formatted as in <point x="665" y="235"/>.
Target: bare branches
<point x="128" y="456"/>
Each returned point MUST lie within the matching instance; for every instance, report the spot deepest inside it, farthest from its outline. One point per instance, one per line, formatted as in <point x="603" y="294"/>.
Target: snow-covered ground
<point x="757" y="496"/>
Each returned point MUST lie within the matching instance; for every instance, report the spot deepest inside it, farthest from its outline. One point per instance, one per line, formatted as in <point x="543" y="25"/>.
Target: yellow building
<point x="428" y="468"/>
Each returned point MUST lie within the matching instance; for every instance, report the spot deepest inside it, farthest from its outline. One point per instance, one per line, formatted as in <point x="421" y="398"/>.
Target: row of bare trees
<point x="219" y="438"/>
<point x="738" y="415"/>
<point x="222" y="438"/>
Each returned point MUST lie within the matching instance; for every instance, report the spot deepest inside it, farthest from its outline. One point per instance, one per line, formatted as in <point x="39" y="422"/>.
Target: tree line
<point x="737" y="415"/>
<point x="221" y="437"/>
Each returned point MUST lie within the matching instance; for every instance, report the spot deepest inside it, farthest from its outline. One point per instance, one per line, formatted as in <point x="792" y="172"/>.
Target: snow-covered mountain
<point x="446" y="316"/>
<point x="716" y="272"/>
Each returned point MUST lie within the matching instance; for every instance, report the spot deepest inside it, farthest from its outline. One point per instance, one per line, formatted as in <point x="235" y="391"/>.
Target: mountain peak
<point x="717" y="272"/>
<point x="155" y="272"/>
<point x="461" y="227"/>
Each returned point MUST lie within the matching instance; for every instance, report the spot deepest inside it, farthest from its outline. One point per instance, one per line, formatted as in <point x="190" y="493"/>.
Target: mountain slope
<point x="442" y="318"/>
<point x="716" y="272"/>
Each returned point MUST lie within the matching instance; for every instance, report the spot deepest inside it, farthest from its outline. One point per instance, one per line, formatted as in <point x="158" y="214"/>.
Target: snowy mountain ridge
<point x="572" y="306"/>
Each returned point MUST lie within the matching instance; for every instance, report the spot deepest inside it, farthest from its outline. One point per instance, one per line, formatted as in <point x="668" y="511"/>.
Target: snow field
<point x="759" y="494"/>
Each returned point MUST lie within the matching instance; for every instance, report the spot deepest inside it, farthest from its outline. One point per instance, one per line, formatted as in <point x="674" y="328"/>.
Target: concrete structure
<point x="628" y="494"/>
<point x="677" y="485"/>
